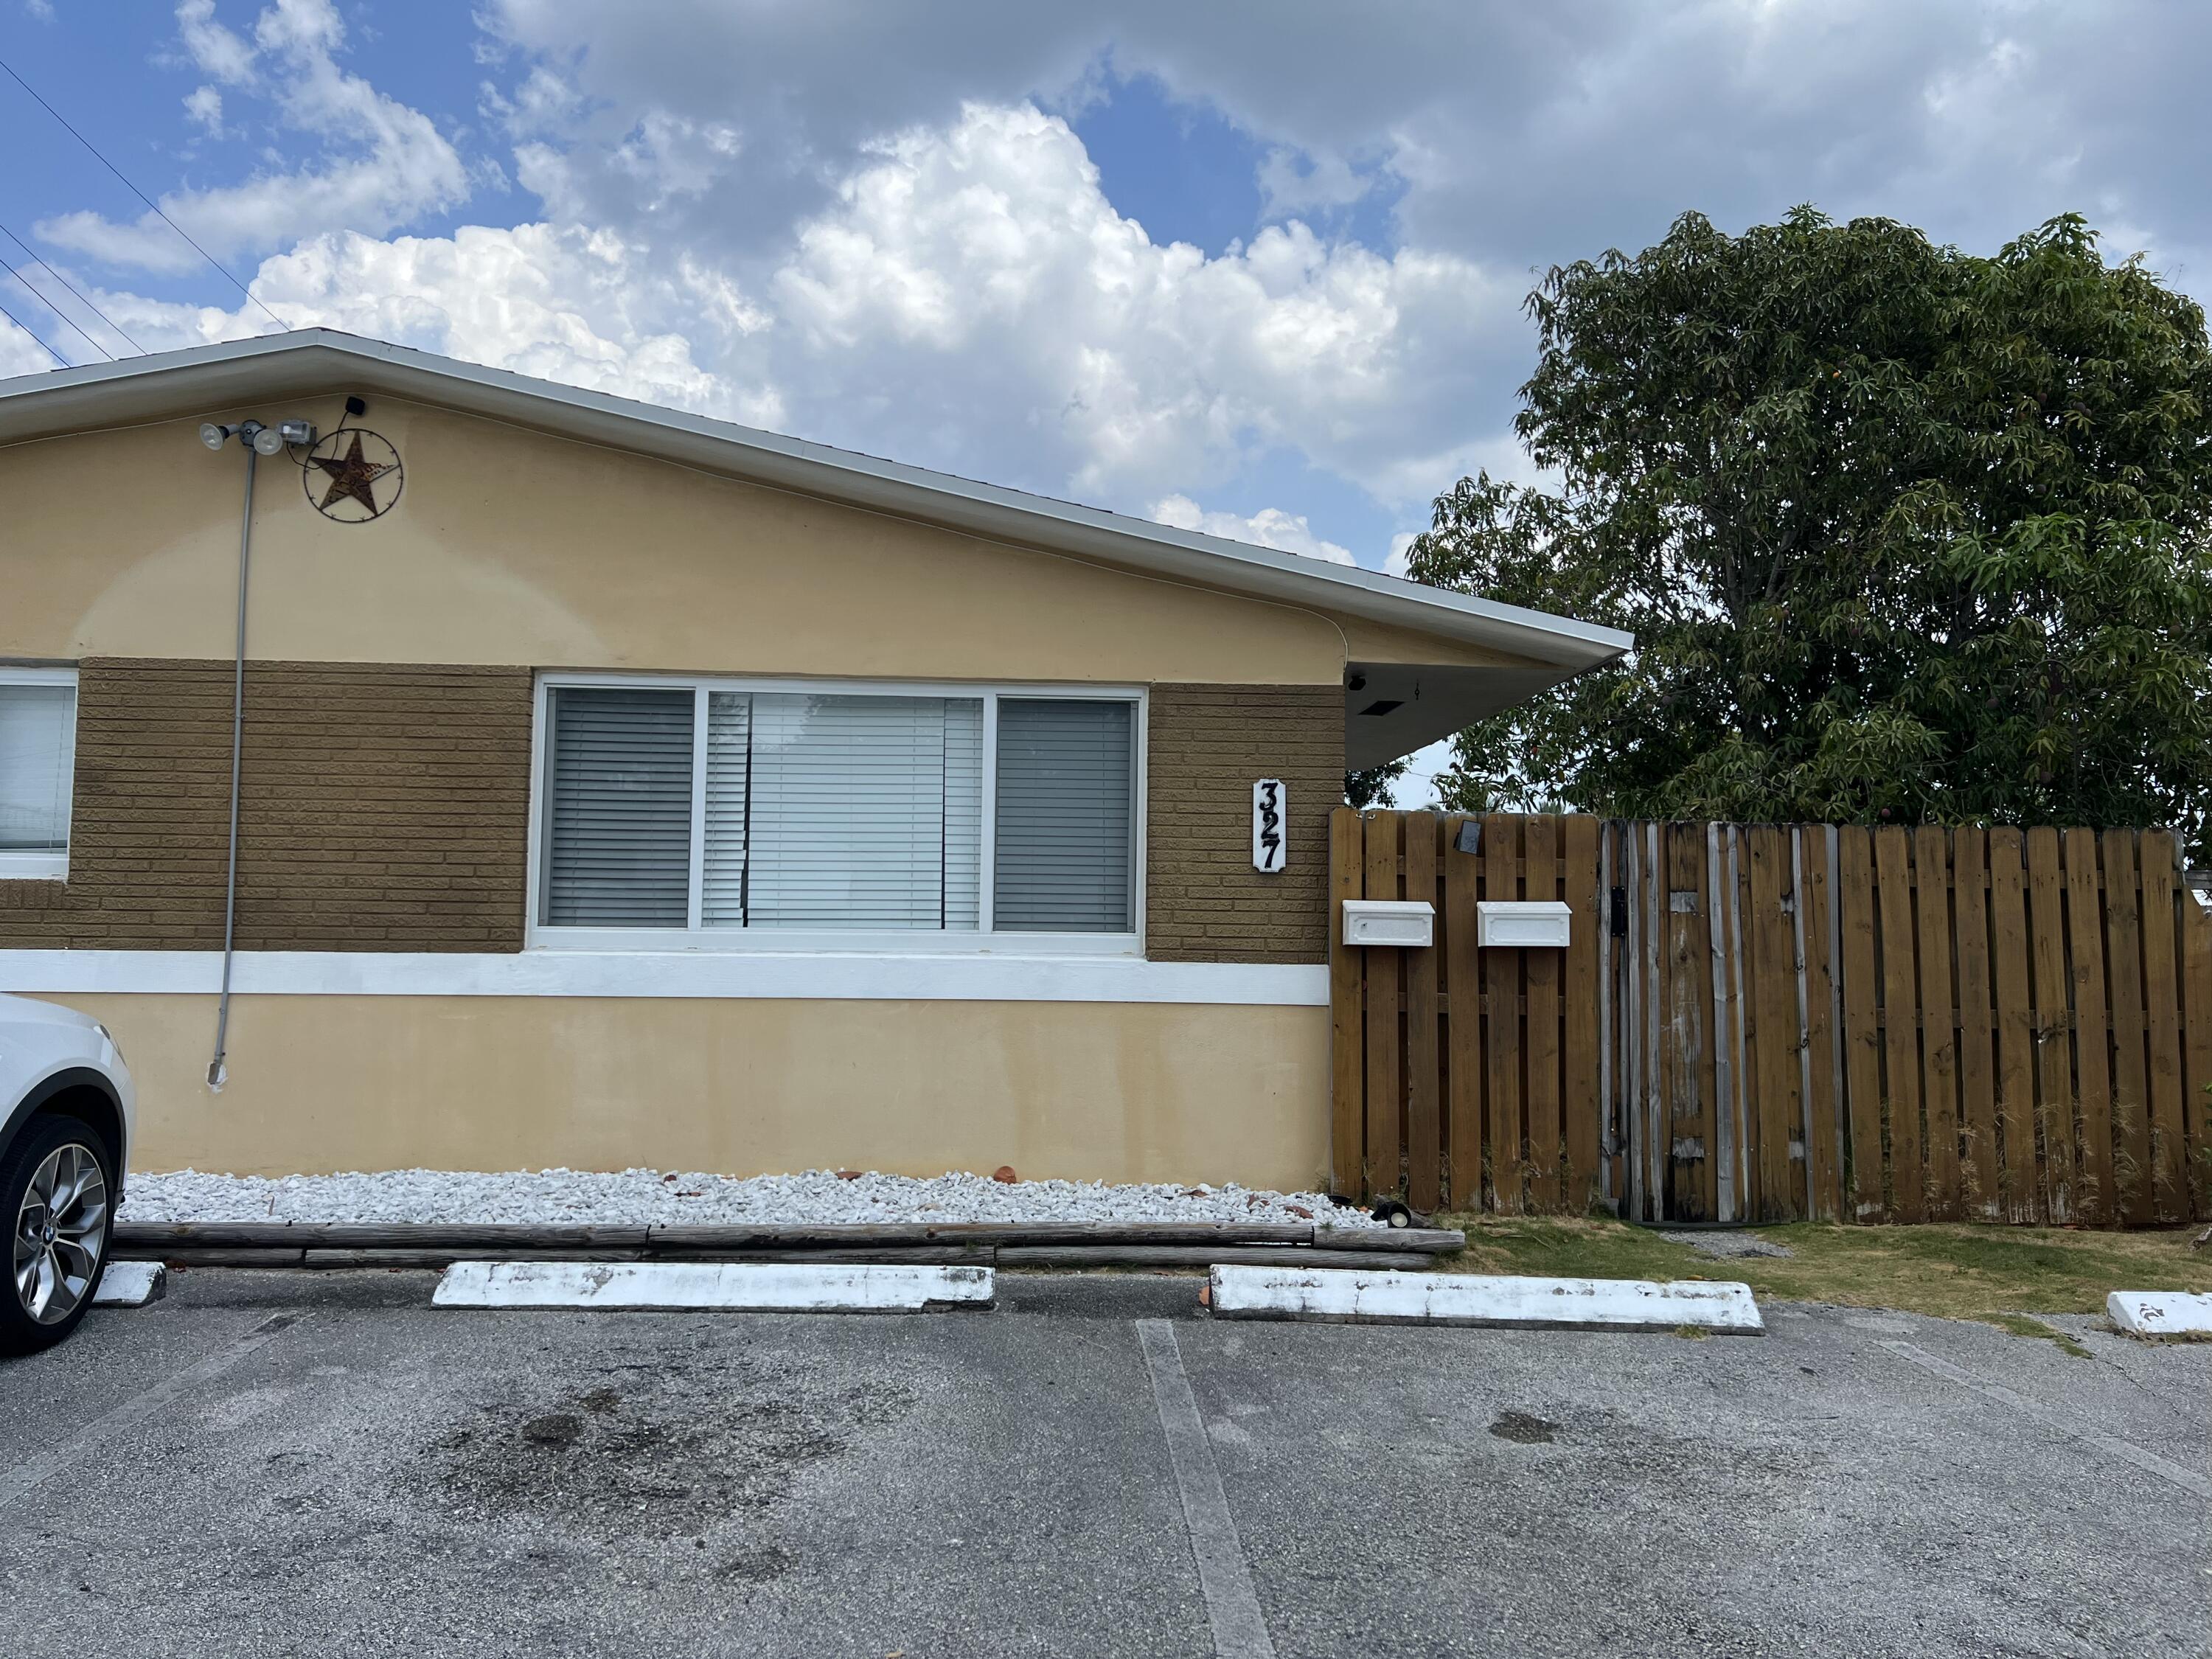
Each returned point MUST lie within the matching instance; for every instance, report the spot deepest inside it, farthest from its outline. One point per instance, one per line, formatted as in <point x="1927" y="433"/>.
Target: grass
<point x="1994" y="1275"/>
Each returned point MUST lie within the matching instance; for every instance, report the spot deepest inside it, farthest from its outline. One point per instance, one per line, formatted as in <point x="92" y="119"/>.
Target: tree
<point x="1902" y="534"/>
<point x="1370" y="785"/>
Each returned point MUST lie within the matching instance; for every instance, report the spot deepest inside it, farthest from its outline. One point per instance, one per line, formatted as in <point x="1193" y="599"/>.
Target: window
<point x="38" y="751"/>
<point x="799" y="816"/>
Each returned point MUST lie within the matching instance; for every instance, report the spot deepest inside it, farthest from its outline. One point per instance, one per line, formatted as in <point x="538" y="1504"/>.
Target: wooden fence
<point x="1777" y="1022"/>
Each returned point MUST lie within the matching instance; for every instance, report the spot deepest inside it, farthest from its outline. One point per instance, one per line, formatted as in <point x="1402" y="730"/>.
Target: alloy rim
<point x="59" y="1229"/>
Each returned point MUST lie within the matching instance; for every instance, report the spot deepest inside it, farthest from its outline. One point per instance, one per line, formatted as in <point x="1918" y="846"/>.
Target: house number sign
<point x="1270" y="846"/>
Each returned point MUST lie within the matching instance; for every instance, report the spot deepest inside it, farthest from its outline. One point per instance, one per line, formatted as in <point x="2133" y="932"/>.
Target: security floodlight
<point x="214" y="436"/>
<point x="268" y="440"/>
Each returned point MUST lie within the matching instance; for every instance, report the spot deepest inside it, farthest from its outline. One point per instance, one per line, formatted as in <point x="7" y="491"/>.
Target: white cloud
<point x="20" y="352"/>
<point x="43" y="11"/>
<point x="213" y="47"/>
<point x="389" y="164"/>
<point x="203" y="106"/>
<point x="970" y="300"/>
<point x="1402" y="545"/>
<point x="1293" y="182"/>
<point x="904" y="251"/>
<point x="562" y="305"/>
<point x="1286" y="532"/>
<point x="980" y="269"/>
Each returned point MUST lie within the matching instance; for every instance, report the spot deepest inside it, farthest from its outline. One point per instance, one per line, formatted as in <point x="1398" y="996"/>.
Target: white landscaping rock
<point x="659" y="1197"/>
<point x="1351" y="1296"/>
<point x="721" y="1286"/>
<point x="132" y="1284"/>
<point x="2162" y="1313"/>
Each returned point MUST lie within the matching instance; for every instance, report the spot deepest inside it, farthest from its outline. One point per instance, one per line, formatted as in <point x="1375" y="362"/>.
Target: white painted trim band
<point x="723" y="1286"/>
<point x="2161" y="1313"/>
<point x="1356" y="1296"/>
<point x="666" y="974"/>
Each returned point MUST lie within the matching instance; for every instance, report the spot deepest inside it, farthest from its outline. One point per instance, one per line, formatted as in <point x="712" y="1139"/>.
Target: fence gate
<point x="1778" y="1022"/>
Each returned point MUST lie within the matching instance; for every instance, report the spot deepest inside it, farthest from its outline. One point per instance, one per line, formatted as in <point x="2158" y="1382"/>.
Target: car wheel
<point x="54" y="1187"/>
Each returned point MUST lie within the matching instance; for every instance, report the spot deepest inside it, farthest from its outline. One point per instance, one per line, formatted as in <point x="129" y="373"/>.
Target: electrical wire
<point x="57" y="310"/>
<point x="71" y="287"/>
<point x="43" y="346"/>
<point x="151" y="205"/>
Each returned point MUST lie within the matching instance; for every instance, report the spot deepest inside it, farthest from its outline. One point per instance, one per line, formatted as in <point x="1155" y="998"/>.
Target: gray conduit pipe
<point x="217" y="1074"/>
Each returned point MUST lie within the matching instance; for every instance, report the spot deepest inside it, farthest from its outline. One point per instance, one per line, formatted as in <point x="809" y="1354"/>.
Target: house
<point x="619" y="787"/>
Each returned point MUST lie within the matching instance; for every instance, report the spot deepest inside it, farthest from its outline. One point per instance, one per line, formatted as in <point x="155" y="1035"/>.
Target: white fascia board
<point x="1354" y="1296"/>
<point x="205" y="379"/>
<point x="716" y="1286"/>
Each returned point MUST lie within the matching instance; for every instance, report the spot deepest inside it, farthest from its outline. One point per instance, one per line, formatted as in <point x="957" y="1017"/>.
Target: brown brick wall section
<point x="1208" y="744"/>
<point x="384" y="808"/>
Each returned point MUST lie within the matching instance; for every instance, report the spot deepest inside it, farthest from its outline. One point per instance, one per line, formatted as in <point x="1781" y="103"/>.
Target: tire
<point x="54" y="1254"/>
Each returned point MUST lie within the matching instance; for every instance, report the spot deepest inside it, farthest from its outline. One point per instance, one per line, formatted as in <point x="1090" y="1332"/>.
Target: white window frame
<point x="787" y="941"/>
<point x="46" y="866"/>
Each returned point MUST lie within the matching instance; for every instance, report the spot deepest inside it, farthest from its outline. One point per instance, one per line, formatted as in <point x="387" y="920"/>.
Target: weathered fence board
<point x="2054" y="1028"/>
<point x="1424" y="1083"/>
<point x="2015" y="1024"/>
<point x="1862" y="1049"/>
<point x="2196" y="1053"/>
<point x="2092" y="1053"/>
<point x="2162" y="1000"/>
<point x="1579" y="994"/>
<point x="1823" y="1063"/>
<point x="1463" y="1047"/>
<point x="1768" y="1023"/>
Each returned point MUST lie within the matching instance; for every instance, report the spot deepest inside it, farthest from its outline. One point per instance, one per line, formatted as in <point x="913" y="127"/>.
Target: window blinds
<point x="842" y="811"/>
<point x="1065" y="816"/>
<point x="824" y="812"/>
<point x="37" y="729"/>
<point x="852" y="801"/>
<point x="618" y="818"/>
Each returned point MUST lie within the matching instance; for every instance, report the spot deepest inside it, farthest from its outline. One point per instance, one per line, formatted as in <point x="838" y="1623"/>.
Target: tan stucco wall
<point x="512" y="547"/>
<point x="1117" y="1091"/>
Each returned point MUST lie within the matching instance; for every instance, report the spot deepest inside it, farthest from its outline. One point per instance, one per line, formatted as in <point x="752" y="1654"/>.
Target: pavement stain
<point x="669" y="1449"/>
<point x="1523" y="1429"/>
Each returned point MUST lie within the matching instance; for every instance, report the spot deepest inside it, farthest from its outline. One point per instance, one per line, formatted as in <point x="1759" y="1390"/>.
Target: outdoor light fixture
<point x="261" y="440"/>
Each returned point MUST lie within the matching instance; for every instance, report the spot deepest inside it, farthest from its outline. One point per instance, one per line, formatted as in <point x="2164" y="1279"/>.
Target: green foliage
<point x="1370" y="785"/>
<point x="1903" y="534"/>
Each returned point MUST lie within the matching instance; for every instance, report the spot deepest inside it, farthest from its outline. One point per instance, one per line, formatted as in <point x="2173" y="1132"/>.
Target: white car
<point x="66" y="1109"/>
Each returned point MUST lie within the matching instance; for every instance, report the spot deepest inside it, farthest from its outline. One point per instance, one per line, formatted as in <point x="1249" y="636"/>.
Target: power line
<point x="57" y="310"/>
<point x="43" y="346"/>
<point x="150" y="204"/>
<point x="71" y="287"/>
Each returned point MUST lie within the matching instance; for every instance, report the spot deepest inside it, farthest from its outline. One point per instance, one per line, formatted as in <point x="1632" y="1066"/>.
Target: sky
<point x="1256" y="267"/>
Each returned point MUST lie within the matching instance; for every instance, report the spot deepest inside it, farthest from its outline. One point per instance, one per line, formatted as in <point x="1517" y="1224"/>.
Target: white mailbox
<point x="1521" y="924"/>
<point x="1389" y="921"/>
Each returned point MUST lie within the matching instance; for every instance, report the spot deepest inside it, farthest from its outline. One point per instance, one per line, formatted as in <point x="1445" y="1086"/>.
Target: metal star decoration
<point x="351" y="475"/>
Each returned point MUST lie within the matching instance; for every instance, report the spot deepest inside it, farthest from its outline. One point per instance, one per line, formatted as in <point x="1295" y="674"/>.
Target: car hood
<point x="29" y="1011"/>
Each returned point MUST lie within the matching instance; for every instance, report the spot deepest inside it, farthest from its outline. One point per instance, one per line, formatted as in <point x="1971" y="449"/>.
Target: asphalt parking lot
<point x="321" y="1464"/>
